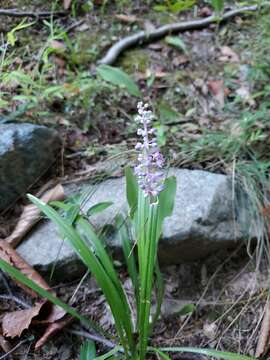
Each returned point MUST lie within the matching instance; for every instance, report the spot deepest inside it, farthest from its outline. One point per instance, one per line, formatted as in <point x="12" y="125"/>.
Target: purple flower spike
<point x="150" y="160"/>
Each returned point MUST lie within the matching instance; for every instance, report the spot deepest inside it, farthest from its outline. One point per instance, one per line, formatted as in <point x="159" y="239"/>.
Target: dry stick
<point x="16" y="300"/>
<point x="93" y="337"/>
<point x="14" y="348"/>
<point x="38" y="15"/>
<point x="143" y="37"/>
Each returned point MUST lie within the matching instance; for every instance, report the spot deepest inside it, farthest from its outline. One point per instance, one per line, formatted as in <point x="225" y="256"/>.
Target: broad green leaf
<point x="118" y="77"/>
<point x="177" y="42"/>
<point x="181" y="5"/>
<point x="88" y="350"/>
<point x="224" y="355"/>
<point x="160" y="8"/>
<point x="131" y="190"/>
<point x="98" y="208"/>
<point x="166" y="113"/>
<point x="218" y="5"/>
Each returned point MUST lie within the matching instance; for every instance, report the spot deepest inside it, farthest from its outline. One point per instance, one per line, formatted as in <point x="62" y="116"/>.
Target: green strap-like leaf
<point x="88" y="350"/>
<point x="224" y="355"/>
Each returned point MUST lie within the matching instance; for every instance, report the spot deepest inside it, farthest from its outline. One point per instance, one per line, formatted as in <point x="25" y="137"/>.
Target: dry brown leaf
<point x="15" y="322"/>
<point x="66" y="4"/>
<point x="129" y="19"/>
<point x="56" y="313"/>
<point x="10" y="255"/>
<point x="52" y="329"/>
<point x="216" y="87"/>
<point x="180" y="60"/>
<point x="264" y="337"/>
<point x="57" y="45"/>
<point x="228" y="55"/>
<point x="4" y="344"/>
<point x="31" y="215"/>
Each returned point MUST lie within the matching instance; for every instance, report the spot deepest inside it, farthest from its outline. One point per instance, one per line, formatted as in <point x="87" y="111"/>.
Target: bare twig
<point x="16" y="300"/>
<point x="31" y="14"/>
<point x="15" y="348"/>
<point x="96" y="338"/>
<point x="143" y="37"/>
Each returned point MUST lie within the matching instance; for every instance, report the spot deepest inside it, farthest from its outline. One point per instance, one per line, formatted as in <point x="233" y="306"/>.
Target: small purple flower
<point x="150" y="160"/>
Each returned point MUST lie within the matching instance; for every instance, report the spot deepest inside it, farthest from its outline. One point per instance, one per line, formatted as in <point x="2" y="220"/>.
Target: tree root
<point x="37" y="15"/>
<point x="143" y="37"/>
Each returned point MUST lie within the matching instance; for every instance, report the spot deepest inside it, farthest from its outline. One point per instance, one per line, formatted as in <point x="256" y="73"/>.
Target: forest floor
<point x="209" y="90"/>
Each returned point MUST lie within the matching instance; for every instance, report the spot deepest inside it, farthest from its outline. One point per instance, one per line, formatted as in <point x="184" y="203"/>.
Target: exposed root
<point x="143" y="37"/>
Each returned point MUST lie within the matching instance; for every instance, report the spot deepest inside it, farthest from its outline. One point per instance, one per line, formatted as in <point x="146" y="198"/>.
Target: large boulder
<point x="26" y="152"/>
<point x="203" y="222"/>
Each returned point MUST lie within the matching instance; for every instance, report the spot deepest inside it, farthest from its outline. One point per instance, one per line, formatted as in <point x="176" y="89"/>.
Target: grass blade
<point x="207" y="352"/>
<point x="88" y="350"/>
<point x="17" y="275"/>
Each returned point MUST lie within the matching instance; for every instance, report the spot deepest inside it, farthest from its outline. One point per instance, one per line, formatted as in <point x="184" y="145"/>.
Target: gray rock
<point x="202" y="223"/>
<point x="26" y="152"/>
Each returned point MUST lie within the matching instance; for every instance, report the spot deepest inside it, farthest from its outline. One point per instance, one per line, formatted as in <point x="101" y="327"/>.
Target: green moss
<point x="85" y="48"/>
<point x="135" y="60"/>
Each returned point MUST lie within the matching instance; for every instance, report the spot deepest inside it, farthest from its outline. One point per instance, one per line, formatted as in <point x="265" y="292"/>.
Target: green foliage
<point x="17" y="275"/>
<point x="207" y="352"/>
<point x="131" y="190"/>
<point x="95" y="209"/>
<point x="88" y="350"/>
<point x="218" y="5"/>
<point x="177" y="42"/>
<point x="118" y="77"/>
<point x="175" y="6"/>
<point x="11" y="35"/>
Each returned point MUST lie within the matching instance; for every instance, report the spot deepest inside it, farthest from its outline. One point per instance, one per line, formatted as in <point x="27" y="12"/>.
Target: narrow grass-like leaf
<point x="207" y="352"/>
<point x="167" y="197"/>
<point x="17" y="275"/>
<point x="95" y="209"/>
<point x="131" y="190"/>
<point x="109" y="354"/>
<point x="159" y="294"/>
<point x="109" y="283"/>
<point x="129" y="255"/>
<point x="88" y="350"/>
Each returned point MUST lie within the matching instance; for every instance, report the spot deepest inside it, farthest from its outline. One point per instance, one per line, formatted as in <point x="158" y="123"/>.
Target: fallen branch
<point x="38" y="15"/>
<point x="143" y="37"/>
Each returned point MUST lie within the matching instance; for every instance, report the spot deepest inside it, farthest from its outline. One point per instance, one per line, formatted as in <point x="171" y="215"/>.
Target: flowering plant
<point x="151" y="198"/>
